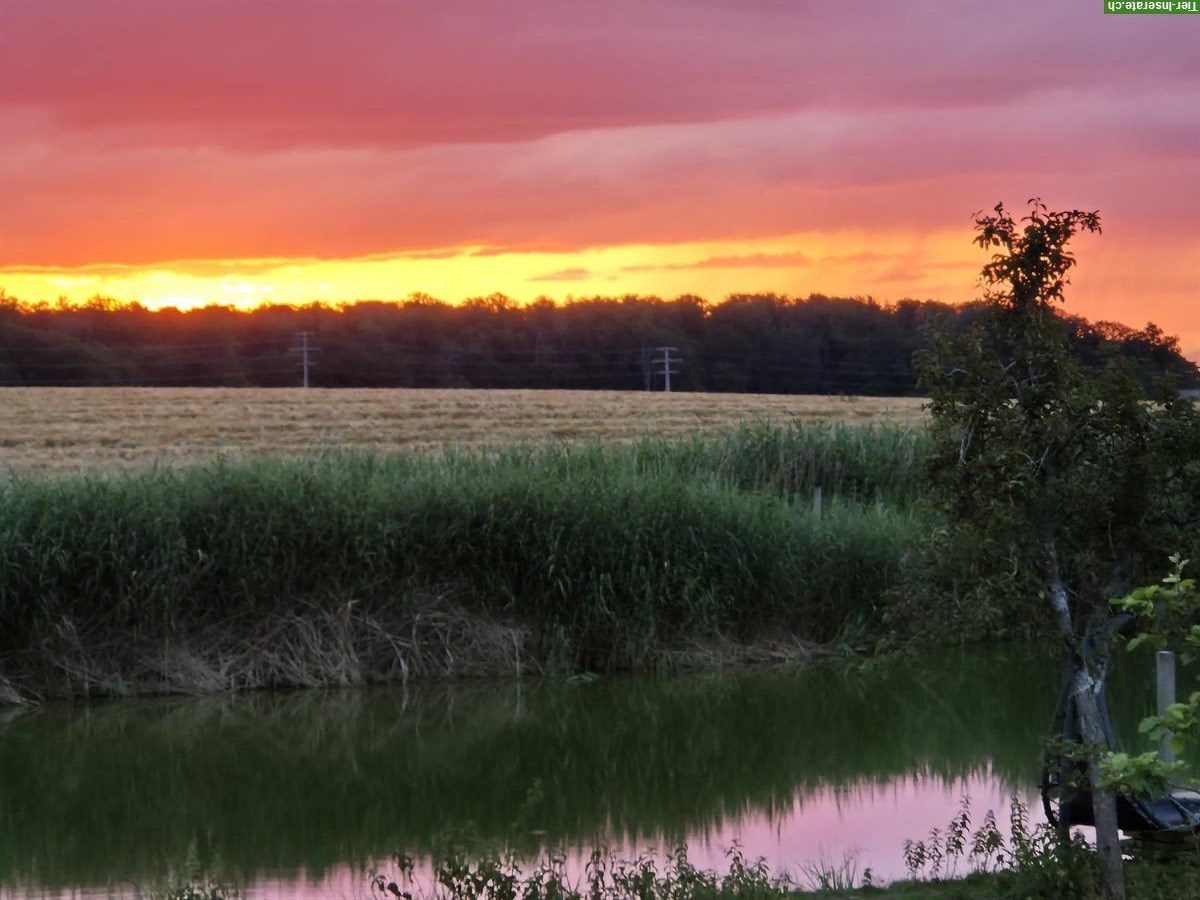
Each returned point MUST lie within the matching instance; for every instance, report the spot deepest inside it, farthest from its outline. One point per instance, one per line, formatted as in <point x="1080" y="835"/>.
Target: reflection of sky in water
<point x="869" y="820"/>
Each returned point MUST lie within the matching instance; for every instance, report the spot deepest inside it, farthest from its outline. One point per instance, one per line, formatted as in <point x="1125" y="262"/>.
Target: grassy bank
<point x="552" y="556"/>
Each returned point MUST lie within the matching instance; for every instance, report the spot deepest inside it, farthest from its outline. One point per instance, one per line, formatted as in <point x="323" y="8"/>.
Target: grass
<point x="1032" y="862"/>
<point x="64" y="430"/>
<point x="1044" y="876"/>
<point x="601" y="555"/>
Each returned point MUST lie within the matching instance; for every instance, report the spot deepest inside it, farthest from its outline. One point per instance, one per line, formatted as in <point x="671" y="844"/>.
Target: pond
<point x="297" y="795"/>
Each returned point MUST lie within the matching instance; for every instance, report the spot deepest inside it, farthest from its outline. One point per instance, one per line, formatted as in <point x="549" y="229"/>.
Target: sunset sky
<point x="194" y="151"/>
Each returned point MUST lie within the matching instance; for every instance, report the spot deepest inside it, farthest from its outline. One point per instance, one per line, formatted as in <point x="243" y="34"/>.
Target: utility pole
<point x="666" y="362"/>
<point x="304" y="348"/>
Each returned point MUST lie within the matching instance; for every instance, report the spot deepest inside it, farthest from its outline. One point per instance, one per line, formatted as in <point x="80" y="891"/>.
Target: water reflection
<point x="301" y="793"/>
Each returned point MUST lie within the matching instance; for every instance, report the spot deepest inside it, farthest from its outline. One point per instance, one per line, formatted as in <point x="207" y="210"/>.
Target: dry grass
<point x="57" y="430"/>
<point x="321" y="644"/>
<point x="318" y="644"/>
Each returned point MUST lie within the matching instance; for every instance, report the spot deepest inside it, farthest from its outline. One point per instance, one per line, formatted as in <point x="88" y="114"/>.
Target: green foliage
<point x="1141" y="774"/>
<point x="502" y="875"/>
<point x="1035" y="861"/>
<point x="937" y="856"/>
<point x="206" y="889"/>
<point x="863" y="463"/>
<point x="823" y="876"/>
<point x="1166" y="614"/>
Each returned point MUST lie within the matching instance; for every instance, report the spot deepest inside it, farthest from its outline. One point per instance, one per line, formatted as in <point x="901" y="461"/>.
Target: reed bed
<point x="604" y="555"/>
<point x="792" y="459"/>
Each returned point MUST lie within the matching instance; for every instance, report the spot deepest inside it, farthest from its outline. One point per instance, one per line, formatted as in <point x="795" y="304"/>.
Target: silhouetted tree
<point x="760" y="343"/>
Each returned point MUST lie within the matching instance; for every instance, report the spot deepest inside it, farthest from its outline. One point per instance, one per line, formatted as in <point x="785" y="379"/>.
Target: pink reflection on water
<point x="868" y="820"/>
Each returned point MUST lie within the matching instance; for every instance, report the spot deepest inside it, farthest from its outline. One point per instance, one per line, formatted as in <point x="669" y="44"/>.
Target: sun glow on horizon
<point x="848" y="263"/>
<point x="887" y="266"/>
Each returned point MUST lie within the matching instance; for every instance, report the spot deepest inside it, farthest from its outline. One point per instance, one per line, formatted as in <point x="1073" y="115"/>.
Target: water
<point x="298" y="794"/>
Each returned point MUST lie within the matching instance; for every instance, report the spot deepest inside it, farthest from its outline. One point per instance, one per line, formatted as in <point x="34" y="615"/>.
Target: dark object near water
<point x="1176" y="812"/>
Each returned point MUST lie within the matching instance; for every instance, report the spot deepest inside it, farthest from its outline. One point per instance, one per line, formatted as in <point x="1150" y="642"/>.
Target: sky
<point x="246" y="151"/>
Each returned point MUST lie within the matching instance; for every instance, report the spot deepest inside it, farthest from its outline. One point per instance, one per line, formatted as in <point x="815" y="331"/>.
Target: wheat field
<point x="61" y="430"/>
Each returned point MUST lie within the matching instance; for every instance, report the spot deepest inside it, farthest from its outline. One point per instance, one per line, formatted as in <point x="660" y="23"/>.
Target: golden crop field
<point x="57" y="430"/>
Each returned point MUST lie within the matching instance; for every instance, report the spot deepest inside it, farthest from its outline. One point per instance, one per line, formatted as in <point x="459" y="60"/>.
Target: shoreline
<point x="349" y="644"/>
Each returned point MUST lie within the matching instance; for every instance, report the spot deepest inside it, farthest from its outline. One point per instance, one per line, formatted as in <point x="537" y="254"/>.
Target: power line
<point x="666" y="363"/>
<point x="100" y="346"/>
<point x="304" y="349"/>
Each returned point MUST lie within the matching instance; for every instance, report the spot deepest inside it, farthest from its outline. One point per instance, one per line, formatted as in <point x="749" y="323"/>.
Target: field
<point x="61" y="430"/>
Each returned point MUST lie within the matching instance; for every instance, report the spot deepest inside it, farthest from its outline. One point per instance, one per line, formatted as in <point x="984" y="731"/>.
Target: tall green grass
<point x="871" y="463"/>
<point x="606" y="550"/>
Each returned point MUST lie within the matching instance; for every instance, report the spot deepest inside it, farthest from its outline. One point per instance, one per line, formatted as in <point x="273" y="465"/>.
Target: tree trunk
<point x="1104" y="804"/>
<point x="1086" y="688"/>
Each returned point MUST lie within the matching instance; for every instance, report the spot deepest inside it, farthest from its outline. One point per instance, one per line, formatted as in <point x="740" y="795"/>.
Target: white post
<point x="1164" y="671"/>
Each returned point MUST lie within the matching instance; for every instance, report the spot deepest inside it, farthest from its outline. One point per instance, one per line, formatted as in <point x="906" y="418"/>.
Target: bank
<point x="348" y="568"/>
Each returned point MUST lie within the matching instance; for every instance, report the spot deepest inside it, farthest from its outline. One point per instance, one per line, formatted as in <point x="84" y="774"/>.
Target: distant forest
<point x="760" y="343"/>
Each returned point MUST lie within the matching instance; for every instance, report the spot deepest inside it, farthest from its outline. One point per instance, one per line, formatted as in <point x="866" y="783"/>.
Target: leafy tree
<point x="1060" y="480"/>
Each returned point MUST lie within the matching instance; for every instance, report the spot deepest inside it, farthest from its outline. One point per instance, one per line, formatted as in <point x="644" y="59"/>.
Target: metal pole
<point x="666" y="362"/>
<point x="304" y="354"/>
<point x="305" y="349"/>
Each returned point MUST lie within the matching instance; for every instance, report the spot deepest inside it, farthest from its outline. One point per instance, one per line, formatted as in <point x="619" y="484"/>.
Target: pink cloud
<point x="740" y="261"/>
<point x="69" y="201"/>
<point x="575" y="273"/>
<point x="287" y="73"/>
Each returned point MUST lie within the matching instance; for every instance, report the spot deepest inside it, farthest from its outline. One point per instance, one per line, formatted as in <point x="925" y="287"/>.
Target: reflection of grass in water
<point x="310" y="780"/>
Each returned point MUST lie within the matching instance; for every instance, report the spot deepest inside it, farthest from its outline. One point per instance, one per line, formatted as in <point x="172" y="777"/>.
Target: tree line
<point x="754" y="343"/>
